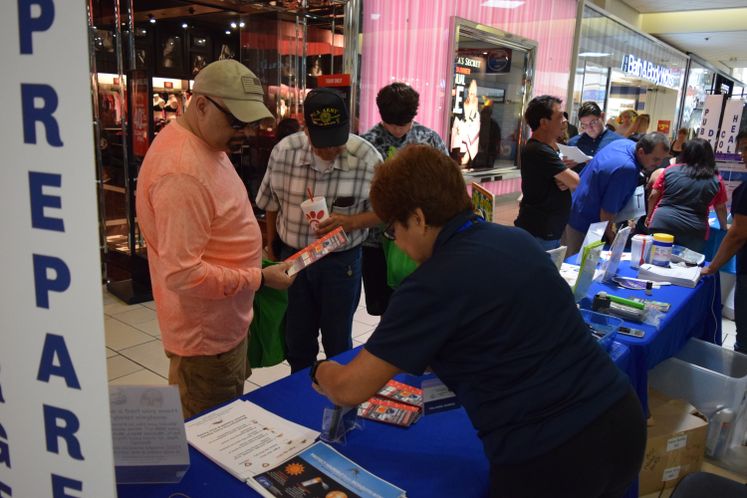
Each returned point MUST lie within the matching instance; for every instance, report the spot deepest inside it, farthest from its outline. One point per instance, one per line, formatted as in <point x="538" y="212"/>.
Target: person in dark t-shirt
<point x="546" y="182"/>
<point x="735" y="242"/>
<point x="489" y="314"/>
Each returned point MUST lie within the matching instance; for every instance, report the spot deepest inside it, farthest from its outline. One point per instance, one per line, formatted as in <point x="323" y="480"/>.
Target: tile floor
<point x="134" y="353"/>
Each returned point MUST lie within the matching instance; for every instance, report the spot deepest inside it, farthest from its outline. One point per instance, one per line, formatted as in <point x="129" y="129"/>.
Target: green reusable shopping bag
<point x="398" y="264"/>
<point x="267" y="330"/>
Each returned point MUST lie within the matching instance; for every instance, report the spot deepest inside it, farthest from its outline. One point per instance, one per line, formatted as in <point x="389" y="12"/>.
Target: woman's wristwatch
<point x="314" y="367"/>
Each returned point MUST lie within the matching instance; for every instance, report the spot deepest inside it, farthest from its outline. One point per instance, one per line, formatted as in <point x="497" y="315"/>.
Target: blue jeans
<point x="740" y="313"/>
<point x="324" y="296"/>
<point x="548" y="244"/>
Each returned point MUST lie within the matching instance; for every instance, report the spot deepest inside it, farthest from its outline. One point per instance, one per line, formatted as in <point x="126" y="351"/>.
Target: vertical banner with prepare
<point x="55" y="435"/>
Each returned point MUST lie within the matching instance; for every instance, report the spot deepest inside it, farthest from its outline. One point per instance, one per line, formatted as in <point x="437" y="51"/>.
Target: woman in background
<point x="640" y="127"/>
<point x="676" y="148"/>
<point x="626" y="122"/>
<point x="682" y="195"/>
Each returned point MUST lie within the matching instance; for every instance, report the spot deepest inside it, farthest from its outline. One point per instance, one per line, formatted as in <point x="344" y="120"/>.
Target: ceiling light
<point x="594" y="54"/>
<point x="234" y="25"/>
<point x="502" y="4"/>
<point x="242" y="24"/>
<point x="228" y="32"/>
<point x="151" y="19"/>
<point x="185" y="25"/>
<point x="484" y="53"/>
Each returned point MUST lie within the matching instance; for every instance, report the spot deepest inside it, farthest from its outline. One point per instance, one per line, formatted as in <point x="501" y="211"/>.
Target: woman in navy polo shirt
<point x="487" y="311"/>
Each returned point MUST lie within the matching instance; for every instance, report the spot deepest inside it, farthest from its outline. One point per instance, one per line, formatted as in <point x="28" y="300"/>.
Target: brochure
<point x="322" y="472"/>
<point x="573" y="153"/>
<point x="317" y="250"/>
<point x="402" y="393"/>
<point x="676" y="275"/>
<point x="279" y="458"/>
<point x="389" y="412"/>
<point x="483" y="201"/>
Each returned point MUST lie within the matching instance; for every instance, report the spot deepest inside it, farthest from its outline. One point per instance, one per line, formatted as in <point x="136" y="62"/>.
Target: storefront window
<point x="622" y="69"/>
<point x="145" y="57"/>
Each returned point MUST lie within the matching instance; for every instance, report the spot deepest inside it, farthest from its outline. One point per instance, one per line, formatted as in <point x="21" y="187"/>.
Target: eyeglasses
<point x="233" y="121"/>
<point x="389" y="232"/>
<point x="593" y="122"/>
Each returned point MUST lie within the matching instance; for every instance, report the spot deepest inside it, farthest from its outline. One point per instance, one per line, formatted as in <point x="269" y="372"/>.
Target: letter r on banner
<point x="65" y="430"/>
<point x="31" y="113"/>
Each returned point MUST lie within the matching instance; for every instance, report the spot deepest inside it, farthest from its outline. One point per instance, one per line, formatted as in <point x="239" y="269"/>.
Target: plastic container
<point x="639" y="246"/>
<point x="661" y="249"/>
<point x="605" y="325"/>
<point x="712" y="379"/>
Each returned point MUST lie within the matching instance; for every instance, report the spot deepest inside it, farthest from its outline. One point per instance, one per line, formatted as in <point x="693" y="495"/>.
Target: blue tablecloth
<point x="439" y="456"/>
<point x="693" y="313"/>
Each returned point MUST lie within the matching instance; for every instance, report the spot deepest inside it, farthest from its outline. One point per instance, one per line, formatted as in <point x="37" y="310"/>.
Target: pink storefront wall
<point x="408" y="40"/>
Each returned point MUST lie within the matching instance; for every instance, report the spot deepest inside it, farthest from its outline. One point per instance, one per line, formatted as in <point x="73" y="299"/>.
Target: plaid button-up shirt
<point x="293" y="169"/>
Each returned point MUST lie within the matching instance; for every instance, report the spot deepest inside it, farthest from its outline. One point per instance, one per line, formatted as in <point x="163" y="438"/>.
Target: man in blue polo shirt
<point x="595" y="135"/>
<point x="607" y="183"/>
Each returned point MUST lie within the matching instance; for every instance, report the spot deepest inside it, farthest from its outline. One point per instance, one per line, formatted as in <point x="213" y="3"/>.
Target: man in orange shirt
<point x="204" y="243"/>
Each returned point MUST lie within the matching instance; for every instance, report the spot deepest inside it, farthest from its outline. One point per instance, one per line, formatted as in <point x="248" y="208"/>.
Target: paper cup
<point x="638" y="245"/>
<point x="315" y="210"/>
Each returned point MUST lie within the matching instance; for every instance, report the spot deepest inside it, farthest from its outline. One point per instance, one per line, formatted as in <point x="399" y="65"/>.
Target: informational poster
<point x="465" y="125"/>
<point x="664" y="126"/>
<point x="730" y="126"/>
<point x="55" y="434"/>
<point x="711" y="116"/>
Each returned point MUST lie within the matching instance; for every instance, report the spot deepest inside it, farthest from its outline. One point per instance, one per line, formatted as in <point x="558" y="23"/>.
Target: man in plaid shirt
<point x="330" y="162"/>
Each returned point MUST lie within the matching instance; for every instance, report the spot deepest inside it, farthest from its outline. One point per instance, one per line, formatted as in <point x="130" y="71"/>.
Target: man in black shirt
<point x="546" y="182"/>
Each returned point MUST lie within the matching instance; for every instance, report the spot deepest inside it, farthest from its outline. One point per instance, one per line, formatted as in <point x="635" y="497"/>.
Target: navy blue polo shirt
<point x="590" y="146"/>
<point x="489" y="313"/>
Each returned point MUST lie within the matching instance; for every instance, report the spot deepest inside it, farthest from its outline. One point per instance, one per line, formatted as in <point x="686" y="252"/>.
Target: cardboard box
<point x="675" y="445"/>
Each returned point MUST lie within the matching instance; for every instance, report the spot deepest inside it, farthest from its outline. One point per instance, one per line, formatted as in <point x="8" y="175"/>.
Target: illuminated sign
<point x="646" y="70"/>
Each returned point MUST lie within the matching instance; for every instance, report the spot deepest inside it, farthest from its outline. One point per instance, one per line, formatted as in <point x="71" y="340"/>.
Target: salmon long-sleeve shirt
<point x="204" y="244"/>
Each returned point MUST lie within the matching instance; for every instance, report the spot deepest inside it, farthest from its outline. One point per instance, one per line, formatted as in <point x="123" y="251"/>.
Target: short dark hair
<point x="398" y="103"/>
<point x="398" y="187"/>
<point x="589" y="108"/>
<point x="650" y="141"/>
<point x="538" y="108"/>
<point x="697" y="154"/>
<point x="286" y="126"/>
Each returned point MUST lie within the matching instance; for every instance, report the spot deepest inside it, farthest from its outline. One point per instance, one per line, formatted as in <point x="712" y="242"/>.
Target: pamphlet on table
<point x="279" y="458"/>
<point x="395" y="403"/>
<point x="317" y="250"/>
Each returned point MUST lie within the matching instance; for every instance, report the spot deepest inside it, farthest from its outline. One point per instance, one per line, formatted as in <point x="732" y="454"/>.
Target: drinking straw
<point x="311" y="195"/>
